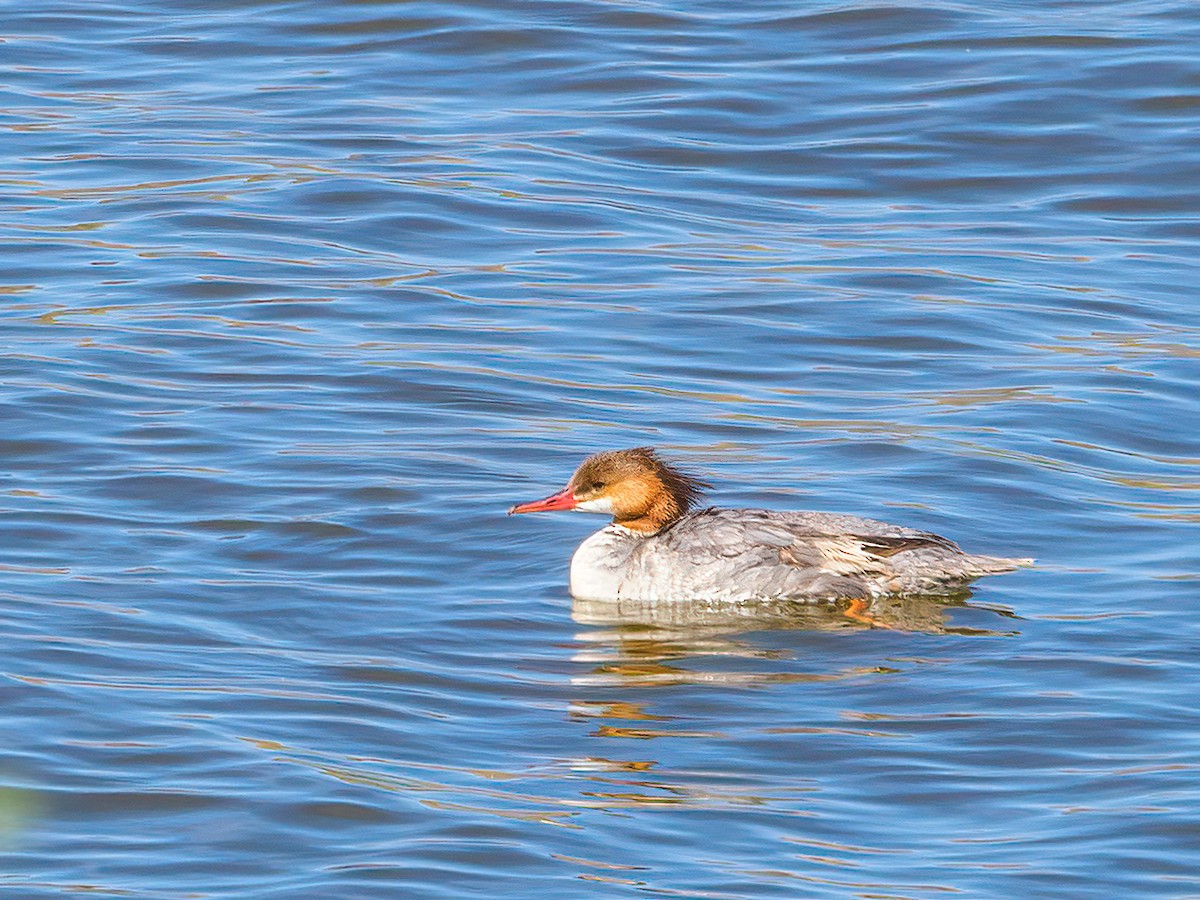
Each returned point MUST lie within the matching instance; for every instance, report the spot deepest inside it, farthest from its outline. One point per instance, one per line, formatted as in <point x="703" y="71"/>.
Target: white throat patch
<point x="599" y="504"/>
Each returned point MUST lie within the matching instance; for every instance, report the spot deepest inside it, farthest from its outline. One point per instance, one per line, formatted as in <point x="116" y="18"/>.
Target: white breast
<point x="598" y="566"/>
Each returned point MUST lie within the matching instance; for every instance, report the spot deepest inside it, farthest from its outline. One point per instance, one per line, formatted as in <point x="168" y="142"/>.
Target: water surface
<point x="298" y="298"/>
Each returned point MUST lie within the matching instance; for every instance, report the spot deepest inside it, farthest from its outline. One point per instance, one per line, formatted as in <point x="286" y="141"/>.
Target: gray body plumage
<point x="755" y="554"/>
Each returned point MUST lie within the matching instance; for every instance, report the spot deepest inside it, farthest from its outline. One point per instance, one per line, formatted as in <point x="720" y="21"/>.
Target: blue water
<point x="298" y="298"/>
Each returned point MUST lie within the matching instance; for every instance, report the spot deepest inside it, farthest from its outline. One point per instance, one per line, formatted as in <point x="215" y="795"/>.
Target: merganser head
<point x="639" y="490"/>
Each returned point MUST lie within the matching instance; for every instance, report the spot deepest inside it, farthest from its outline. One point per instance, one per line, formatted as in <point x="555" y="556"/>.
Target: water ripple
<point x="299" y="300"/>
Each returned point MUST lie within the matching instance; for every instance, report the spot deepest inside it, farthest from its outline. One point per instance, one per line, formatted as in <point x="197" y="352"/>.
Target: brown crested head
<point x="641" y="492"/>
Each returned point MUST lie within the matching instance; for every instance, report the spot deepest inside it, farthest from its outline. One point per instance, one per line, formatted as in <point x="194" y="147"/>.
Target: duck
<point x="660" y="548"/>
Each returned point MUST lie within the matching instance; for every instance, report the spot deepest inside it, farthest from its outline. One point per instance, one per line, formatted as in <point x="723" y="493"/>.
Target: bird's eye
<point x="597" y="485"/>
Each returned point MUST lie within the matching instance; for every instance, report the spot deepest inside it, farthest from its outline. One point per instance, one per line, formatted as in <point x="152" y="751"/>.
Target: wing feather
<point x="852" y="554"/>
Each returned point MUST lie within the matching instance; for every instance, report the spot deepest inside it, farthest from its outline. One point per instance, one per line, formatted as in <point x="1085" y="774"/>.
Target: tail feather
<point x="992" y="565"/>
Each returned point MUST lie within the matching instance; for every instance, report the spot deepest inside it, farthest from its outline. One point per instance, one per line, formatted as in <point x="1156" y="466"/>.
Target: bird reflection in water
<point x="637" y="643"/>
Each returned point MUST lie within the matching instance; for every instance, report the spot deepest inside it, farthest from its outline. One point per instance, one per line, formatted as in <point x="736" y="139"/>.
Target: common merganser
<point x="656" y="549"/>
